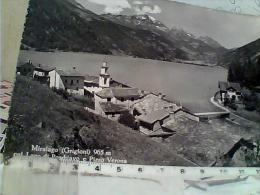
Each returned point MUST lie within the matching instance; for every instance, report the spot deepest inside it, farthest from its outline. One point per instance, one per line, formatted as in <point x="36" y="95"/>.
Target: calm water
<point x="181" y="82"/>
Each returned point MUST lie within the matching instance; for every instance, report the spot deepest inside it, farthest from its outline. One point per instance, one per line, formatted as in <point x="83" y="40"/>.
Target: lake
<point x="191" y="84"/>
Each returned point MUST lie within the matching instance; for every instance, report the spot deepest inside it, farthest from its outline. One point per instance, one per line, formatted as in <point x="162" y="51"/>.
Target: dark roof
<point x="235" y="86"/>
<point x="222" y="85"/>
<point x="125" y="92"/>
<point x="154" y="116"/>
<point x="70" y="73"/>
<point x="44" y="68"/>
<point x="109" y="107"/>
<point x="226" y="85"/>
<point x="119" y="93"/>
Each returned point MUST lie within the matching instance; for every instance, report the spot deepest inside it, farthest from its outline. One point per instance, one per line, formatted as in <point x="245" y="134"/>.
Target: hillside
<point x="240" y="54"/>
<point x="65" y="25"/>
<point x="40" y="116"/>
<point x="243" y="64"/>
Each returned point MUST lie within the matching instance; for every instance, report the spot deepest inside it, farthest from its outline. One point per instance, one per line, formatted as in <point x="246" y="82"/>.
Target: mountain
<point x="243" y="64"/>
<point x="67" y="26"/>
<point x="203" y="49"/>
<point x="240" y="54"/>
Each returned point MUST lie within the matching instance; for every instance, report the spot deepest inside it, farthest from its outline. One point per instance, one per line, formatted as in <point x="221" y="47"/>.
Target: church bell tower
<point x="104" y="77"/>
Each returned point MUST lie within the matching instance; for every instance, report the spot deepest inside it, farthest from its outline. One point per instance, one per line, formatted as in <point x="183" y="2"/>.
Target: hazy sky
<point x="230" y="30"/>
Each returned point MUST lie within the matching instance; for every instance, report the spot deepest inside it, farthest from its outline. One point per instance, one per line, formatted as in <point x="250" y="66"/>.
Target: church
<point x="111" y="97"/>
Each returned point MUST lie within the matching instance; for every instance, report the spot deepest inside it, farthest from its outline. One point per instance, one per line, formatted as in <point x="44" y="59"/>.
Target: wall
<point x="101" y="82"/>
<point x="127" y="103"/>
<point x="75" y="85"/>
<point x="55" y="80"/>
<point x="93" y="89"/>
<point x="39" y="73"/>
<point x="97" y="103"/>
<point x="233" y="93"/>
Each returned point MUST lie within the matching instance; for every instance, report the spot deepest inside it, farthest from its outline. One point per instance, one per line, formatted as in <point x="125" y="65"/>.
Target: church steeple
<point x="104" y="77"/>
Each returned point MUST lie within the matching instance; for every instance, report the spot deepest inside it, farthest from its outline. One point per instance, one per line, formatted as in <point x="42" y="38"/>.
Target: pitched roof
<point x="125" y="92"/>
<point x="226" y="85"/>
<point x="44" y="68"/>
<point x="109" y="107"/>
<point x="70" y="73"/>
<point x="105" y="93"/>
<point x="154" y="116"/>
<point x="235" y="86"/>
<point x="222" y="85"/>
<point x="118" y="93"/>
<point x="152" y="102"/>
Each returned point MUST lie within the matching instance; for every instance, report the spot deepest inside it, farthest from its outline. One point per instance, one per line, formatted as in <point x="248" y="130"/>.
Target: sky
<point x="230" y="30"/>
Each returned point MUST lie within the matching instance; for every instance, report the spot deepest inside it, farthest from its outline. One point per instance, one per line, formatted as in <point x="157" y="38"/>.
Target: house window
<point x="109" y="99"/>
<point x="77" y="88"/>
<point x="66" y="81"/>
<point x="113" y="115"/>
<point x="71" y="82"/>
<point x="122" y="99"/>
<point x="105" y="81"/>
<point x="77" y="81"/>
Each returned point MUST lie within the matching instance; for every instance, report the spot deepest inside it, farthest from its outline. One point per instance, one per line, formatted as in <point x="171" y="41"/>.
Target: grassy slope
<point x="33" y="103"/>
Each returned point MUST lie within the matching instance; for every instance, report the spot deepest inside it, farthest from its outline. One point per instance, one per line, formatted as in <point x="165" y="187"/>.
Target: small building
<point x="26" y="69"/>
<point x="121" y="96"/>
<point x="229" y="91"/>
<point x="72" y="81"/>
<point x="111" y="110"/>
<point x="41" y="73"/>
<point x="154" y="120"/>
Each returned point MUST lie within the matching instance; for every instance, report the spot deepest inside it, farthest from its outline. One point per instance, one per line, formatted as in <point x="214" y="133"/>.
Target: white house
<point x="71" y="81"/>
<point x="41" y="73"/>
<point x="229" y="91"/>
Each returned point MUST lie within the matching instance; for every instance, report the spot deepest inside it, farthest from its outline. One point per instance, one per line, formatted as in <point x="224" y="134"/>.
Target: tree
<point x="128" y="120"/>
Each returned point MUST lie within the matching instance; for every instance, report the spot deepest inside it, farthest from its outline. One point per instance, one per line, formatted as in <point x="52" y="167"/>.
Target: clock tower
<point x="104" y="77"/>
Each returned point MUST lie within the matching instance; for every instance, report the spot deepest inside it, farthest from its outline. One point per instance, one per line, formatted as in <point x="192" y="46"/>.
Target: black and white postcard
<point x="136" y="82"/>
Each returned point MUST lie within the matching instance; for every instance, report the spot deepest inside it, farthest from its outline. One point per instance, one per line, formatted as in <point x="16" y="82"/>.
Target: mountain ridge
<point x="65" y="25"/>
